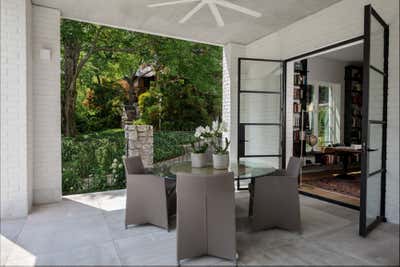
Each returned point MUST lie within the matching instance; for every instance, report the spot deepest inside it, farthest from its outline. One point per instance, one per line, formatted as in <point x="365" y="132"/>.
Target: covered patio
<point x="39" y="226"/>
<point x="89" y="229"/>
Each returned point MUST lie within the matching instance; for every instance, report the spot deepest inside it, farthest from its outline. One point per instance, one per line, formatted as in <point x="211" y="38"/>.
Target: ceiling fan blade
<point x="238" y="8"/>
<point x="217" y="15"/>
<point x="192" y="12"/>
<point x="172" y="3"/>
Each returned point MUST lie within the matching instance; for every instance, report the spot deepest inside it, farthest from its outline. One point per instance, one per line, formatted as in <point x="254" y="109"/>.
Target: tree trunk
<point x="71" y="60"/>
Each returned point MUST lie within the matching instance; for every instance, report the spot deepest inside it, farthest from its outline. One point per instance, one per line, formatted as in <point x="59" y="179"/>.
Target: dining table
<point x="242" y="171"/>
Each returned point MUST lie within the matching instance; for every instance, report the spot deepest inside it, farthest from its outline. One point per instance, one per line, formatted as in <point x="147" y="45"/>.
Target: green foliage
<point x="102" y="107"/>
<point x="188" y="82"/>
<point x="168" y="145"/>
<point x="222" y="147"/>
<point x="93" y="162"/>
<point x="198" y="147"/>
<point x="178" y="105"/>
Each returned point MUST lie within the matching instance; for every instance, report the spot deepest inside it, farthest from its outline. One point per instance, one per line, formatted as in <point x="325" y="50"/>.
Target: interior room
<point x="327" y="102"/>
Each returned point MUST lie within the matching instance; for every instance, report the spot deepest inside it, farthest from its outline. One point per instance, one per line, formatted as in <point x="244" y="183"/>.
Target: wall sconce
<point x="45" y="54"/>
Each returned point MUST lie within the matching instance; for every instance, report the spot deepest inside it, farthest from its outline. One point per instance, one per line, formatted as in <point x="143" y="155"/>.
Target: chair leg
<point x="251" y="207"/>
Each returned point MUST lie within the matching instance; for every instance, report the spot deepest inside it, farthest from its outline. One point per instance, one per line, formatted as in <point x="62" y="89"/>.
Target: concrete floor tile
<point x="11" y="228"/>
<point x="61" y="235"/>
<point x="378" y="247"/>
<point x="147" y="250"/>
<point x="116" y="224"/>
<point x="62" y="210"/>
<point x="302" y="252"/>
<point x="89" y="229"/>
<point x="315" y="222"/>
<point x="97" y="255"/>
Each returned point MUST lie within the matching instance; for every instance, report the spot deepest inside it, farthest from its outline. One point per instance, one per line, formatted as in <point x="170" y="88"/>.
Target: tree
<point x="93" y="54"/>
<point x="80" y="42"/>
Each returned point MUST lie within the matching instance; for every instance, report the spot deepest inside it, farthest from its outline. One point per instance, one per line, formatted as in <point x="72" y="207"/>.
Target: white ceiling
<point x="239" y="28"/>
<point x="349" y="54"/>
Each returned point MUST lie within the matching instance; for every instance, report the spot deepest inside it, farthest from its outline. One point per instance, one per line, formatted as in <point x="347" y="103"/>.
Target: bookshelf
<point x="353" y="105"/>
<point x="300" y="121"/>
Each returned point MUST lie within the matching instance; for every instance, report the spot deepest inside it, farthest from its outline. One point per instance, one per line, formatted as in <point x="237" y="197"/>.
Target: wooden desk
<point x="343" y="151"/>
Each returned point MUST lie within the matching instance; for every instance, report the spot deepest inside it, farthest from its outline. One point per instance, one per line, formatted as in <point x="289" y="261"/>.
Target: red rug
<point x="350" y="187"/>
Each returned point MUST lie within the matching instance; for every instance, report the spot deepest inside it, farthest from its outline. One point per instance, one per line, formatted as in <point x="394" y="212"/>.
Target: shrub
<point x="90" y="160"/>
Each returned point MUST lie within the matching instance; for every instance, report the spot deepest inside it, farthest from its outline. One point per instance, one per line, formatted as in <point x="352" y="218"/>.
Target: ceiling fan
<point x="212" y="4"/>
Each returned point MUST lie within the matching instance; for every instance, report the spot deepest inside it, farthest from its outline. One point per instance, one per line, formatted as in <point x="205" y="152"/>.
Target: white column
<point x="230" y="92"/>
<point x="46" y="105"/>
<point x="16" y="146"/>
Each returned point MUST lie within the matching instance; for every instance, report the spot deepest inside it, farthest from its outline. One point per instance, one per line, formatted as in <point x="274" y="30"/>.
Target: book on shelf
<point x="297" y="93"/>
<point x="296" y="108"/>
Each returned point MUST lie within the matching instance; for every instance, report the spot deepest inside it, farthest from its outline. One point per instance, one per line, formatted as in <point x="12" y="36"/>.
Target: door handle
<point x="368" y="149"/>
<point x="243" y="141"/>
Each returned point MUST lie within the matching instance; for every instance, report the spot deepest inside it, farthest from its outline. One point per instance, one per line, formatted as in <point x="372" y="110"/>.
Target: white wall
<point x="46" y="108"/>
<point x="231" y="54"/>
<point x="339" y="22"/>
<point x="15" y="136"/>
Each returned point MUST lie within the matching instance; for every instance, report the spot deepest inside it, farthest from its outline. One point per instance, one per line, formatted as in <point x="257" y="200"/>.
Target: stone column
<point x="139" y="142"/>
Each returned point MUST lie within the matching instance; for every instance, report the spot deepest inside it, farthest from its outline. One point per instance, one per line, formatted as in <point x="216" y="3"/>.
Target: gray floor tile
<point x="302" y="252"/>
<point x="316" y="222"/>
<point x="378" y="247"/>
<point x="11" y="228"/>
<point x="116" y="224"/>
<point x="104" y="254"/>
<point x="89" y="229"/>
<point x="61" y="235"/>
<point x="151" y="249"/>
<point x="62" y="210"/>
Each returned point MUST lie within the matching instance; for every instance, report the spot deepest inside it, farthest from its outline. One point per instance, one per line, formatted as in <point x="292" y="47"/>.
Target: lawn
<point x="93" y="162"/>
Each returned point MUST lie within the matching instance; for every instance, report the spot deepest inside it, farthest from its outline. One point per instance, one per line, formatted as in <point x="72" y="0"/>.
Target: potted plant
<point x="198" y="155"/>
<point x="221" y="156"/>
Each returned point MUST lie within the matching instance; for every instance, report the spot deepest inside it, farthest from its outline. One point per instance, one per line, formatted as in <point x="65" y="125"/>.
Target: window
<point x="324" y="108"/>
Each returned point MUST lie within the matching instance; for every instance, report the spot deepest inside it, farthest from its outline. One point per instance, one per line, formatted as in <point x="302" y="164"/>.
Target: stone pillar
<point x="139" y="142"/>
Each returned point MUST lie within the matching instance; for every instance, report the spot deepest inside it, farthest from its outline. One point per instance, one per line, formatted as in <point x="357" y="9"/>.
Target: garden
<point x="93" y="162"/>
<point x="173" y="85"/>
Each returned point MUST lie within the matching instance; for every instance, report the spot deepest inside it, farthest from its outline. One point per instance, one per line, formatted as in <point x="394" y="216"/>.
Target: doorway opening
<point x="327" y="102"/>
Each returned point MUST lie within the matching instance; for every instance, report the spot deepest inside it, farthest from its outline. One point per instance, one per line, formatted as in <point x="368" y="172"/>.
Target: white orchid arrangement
<point x="214" y="132"/>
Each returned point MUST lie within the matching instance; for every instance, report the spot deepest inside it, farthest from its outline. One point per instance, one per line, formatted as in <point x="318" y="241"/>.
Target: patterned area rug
<point x="350" y="187"/>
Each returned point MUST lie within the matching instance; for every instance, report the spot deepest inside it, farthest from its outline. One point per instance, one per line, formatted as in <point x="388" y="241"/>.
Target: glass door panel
<point x="260" y="108"/>
<point x="260" y="101"/>
<point x="262" y="140"/>
<point x="259" y="75"/>
<point x="373" y="159"/>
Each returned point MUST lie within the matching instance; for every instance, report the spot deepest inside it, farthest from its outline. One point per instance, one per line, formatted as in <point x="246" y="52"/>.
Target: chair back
<point x="205" y="216"/>
<point x="134" y="165"/>
<point x="293" y="168"/>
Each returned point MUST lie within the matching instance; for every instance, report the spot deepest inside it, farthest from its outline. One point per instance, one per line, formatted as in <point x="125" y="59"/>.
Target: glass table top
<point x="241" y="171"/>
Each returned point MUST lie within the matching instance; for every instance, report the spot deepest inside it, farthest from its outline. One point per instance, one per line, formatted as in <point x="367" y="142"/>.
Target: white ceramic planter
<point x="199" y="160"/>
<point x="221" y="161"/>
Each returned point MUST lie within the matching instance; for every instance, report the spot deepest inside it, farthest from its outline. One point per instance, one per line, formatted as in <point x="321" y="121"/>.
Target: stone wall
<point x="139" y="142"/>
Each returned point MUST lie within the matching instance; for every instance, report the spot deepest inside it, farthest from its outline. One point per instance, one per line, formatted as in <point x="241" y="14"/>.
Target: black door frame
<point x="384" y="130"/>
<point x="369" y="12"/>
<point x="282" y="124"/>
<point x="312" y="53"/>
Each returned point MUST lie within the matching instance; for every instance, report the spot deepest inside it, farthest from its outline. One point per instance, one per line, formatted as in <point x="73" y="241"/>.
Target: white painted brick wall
<point x="336" y="23"/>
<point x="229" y="91"/>
<point x="46" y="108"/>
<point x="15" y="174"/>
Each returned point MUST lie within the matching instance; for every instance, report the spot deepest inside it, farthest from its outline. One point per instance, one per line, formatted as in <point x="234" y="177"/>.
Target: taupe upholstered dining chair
<point x="274" y="199"/>
<point x="148" y="197"/>
<point x="205" y="216"/>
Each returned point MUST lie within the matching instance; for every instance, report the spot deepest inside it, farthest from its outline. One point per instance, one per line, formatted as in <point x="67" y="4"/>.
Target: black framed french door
<point x="374" y="121"/>
<point x="261" y="116"/>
